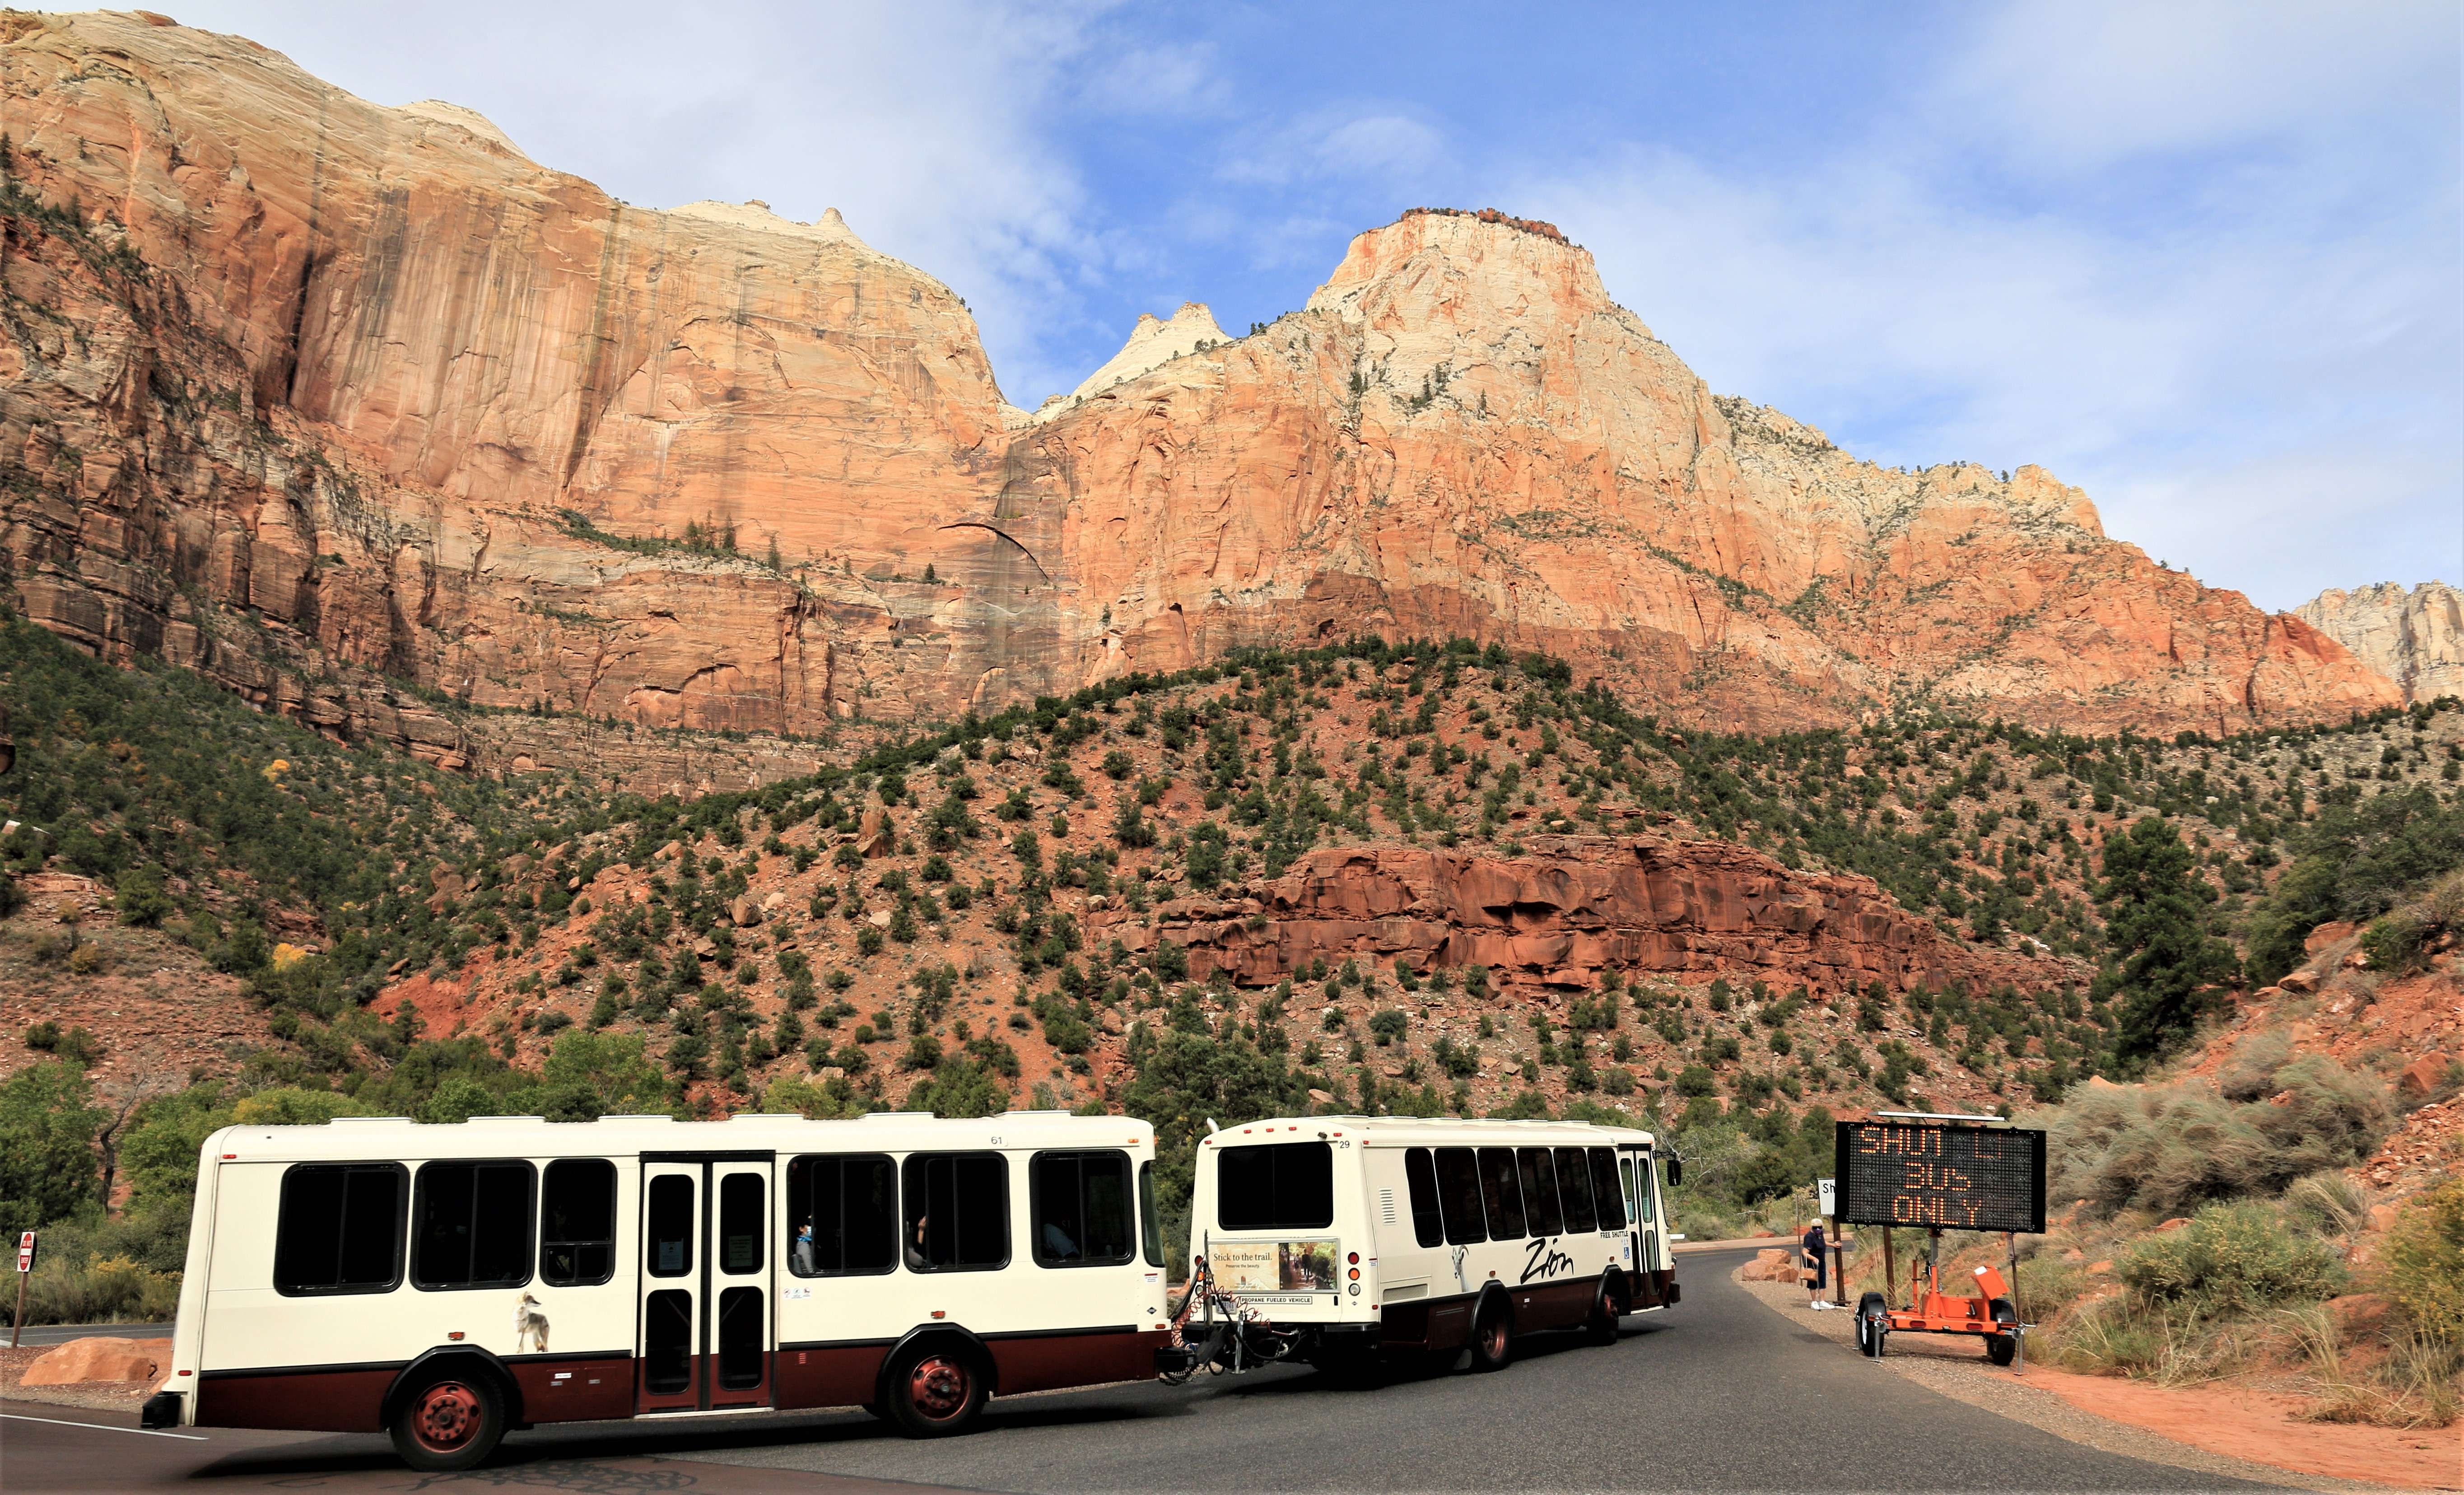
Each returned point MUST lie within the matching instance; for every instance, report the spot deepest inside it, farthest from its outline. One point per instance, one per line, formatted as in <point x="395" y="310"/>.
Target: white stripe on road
<point x="104" y="1427"/>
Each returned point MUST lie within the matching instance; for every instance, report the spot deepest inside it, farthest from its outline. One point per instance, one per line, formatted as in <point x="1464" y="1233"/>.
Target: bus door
<point x="707" y="1325"/>
<point x="1643" y="1224"/>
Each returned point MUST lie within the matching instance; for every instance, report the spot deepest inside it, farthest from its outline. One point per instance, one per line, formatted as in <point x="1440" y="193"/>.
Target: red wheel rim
<point x="446" y="1416"/>
<point x="939" y="1387"/>
<point x="1492" y="1339"/>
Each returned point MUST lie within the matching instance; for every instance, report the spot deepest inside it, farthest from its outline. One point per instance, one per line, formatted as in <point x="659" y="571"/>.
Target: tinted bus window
<point x="1459" y="1196"/>
<point x="340" y="1228"/>
<point x="578" y="1223"/>
<point x="1643" y="1192"/>
<point x="1151" y="1225"/>
<point x="474" y="1225"/>
<point x="667" y="1226"/>
<point x="1275" y="1186"/>
<point x="739" y="1223"/>
<point x="1614" y="1215"/>
<point x="1540" y="1210"/>
<point x="1503" y="1192"/>
<point x="958" y="1212"/>
<point x="1078" y="1205"/>
<point x="1422" y="1178"/>
<point x="1574" y="1191"/>
<point x="841" y="1215"/>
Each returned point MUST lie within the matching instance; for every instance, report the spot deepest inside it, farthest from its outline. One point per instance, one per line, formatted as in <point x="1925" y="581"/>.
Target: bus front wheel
<point x="934" y="1391"/>
<point x="1493" y="1335"/>
<point x="451" y="1423"/>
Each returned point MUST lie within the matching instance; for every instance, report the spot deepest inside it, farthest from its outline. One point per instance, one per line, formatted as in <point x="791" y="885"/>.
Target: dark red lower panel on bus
<point x="829" y="1375"/>
<point x="575" y="1390"/>
<point x="1048" y="1362"/>
<point x="327" y="1399"/>
<point x="1539" y="1305"/>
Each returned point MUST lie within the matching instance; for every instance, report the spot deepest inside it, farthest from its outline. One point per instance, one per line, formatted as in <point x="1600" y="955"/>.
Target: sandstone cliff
<point x="2414" y="638"/>
<point x="309" y="394"/>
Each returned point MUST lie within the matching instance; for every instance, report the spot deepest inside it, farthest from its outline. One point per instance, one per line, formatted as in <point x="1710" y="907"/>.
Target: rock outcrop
<point x="1153" y="343"/>
<point x="1572" y="906"/>
<point x="306" y="392"/>
<point x="2414" y="638"/>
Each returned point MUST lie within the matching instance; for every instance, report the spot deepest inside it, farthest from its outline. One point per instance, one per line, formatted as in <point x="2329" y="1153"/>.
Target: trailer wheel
<point x="451" y="1423"/>
<point x="1873" y="1324"/>
<point x="1493" y="1335"/>
<point x="1607" y="1308"/>
<point x="2002" y="1348"/>
<point x="933" y="1389"/>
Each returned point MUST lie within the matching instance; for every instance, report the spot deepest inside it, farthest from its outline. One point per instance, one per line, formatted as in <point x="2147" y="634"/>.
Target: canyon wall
<point x="348" y="405"/>
<point x="2414" y="638"/>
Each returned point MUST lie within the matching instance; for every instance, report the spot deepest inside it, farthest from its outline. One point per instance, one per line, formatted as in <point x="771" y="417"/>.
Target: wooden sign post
<point x="25" y="1269"/>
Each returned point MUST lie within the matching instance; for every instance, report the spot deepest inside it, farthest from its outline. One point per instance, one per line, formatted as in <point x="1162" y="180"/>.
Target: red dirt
<point x="2266" y="1428"/>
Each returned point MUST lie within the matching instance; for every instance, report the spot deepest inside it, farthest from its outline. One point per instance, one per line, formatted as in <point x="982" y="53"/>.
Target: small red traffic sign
<point x="26" y="1252"/>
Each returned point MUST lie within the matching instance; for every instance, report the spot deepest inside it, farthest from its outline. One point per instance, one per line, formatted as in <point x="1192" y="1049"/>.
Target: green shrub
<point x="2233" y="1258"/>
<point x="2425" y="1260"/>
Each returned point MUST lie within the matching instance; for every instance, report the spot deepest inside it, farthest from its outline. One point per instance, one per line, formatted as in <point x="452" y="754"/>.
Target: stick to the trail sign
<point x="25" y="1269"/>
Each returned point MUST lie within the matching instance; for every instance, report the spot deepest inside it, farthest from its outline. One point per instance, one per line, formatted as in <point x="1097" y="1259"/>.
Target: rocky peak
<point x="1153" y="343"/>
<point x="1435" y="270"/>
<point x="2414" y="638"/>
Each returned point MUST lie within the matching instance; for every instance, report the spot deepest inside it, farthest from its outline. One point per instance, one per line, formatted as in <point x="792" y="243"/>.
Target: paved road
<point x="62" y="1333"/>
<point x="1721" y="1393"/>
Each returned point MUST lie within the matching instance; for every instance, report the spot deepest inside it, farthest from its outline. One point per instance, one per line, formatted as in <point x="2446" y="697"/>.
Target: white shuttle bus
<point x="448" y="1283"/>
<point x="1362" y="1235"/>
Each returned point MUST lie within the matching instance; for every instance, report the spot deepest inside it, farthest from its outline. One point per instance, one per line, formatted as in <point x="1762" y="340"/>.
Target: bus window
<point x="958" y="1212"/>
<point x="667" y="1226"/>
<point x="1502" y="1192"/>
<point x="841" y="1215"/>
<point x="667" y="1335"/>
<point x="1625" y="1175"/>
<point x="740" y="1329"/>
<point x="1459" y="1196"/>
<point x="1614" y="1214"/>
<point x="1643" y="1192"/>
<point x="1574" y="1187"/>
<point x="474" y="1225"/>
<point x="1151" y="1225"/>
<point x="739" y="1223"/>
<point x="1426" y="1226"/>
<point x="340" y="1228"/>
<point x="1275" y="1186"/>
<point x="578" y="1223"/>
<point x="1540" y="1193"/>
<point x="1078" y="1208"/>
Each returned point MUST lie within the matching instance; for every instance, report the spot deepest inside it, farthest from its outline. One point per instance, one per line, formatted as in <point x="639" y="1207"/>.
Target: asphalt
<point x="1719" y="1394"/>
<point x="61" y="1333"/>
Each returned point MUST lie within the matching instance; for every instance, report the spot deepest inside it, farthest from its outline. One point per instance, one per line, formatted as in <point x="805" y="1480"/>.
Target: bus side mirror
<point x="1676" y="1173"/>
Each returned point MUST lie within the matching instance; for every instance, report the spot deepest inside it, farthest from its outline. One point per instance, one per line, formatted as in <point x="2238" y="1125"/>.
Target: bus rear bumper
<point x="161" y="1411"/>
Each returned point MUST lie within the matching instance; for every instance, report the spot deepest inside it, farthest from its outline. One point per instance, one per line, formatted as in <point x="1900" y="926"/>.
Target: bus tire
<point x="1492" y="1334"/>
<point x="1608" y="1305"/>
<point x="933" y="1389"/>
<point x="450" y="1421"/>
<point x="2002" y="1348"/>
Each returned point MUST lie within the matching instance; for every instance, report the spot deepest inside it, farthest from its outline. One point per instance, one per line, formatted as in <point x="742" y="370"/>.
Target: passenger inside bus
<point x="804" y="1263"/>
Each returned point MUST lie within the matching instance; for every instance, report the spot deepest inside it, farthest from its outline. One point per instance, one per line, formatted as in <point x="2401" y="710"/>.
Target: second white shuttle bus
<point x="1400" y="1234"/>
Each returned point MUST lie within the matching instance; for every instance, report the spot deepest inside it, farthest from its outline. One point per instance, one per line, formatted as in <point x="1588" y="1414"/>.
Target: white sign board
<point x="26" y="1252"/>
<point x="1829" y="1189"/>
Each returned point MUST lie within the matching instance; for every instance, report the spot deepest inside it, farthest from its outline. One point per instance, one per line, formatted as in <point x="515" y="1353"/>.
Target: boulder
<point x="744" y="912"/>
<point x="875" y="838"/>
<point x="2175" y="1223"/>
<point x="98" y="1357"/>
<point x="2301" y="983"/>
<point x="2335" y="931"/>
<point x="2423" y="1075"/>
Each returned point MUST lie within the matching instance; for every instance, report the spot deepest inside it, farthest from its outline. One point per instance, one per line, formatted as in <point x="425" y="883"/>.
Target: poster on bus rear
<point x="1251" y="1267"/>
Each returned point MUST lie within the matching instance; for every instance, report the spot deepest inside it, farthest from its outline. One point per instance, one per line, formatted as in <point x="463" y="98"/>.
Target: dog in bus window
<point x="530" y="1326"/>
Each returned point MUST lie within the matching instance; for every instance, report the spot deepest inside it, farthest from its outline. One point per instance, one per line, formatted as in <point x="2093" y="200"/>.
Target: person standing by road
<point x="1816" y="1277"/>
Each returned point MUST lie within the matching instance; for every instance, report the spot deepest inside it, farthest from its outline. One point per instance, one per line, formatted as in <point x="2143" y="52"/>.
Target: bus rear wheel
<point x="1609" y="1307"/>
<point x="1492" y="1336"/>
<point x="451" y="1423"/>
<point x="934" y="1390"/>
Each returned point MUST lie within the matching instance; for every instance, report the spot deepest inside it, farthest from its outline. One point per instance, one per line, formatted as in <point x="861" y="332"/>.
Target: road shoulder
<point x="1956" y="1367"/>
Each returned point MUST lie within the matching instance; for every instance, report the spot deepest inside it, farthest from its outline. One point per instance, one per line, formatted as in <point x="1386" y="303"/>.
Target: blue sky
<point x="2202" y="259"/>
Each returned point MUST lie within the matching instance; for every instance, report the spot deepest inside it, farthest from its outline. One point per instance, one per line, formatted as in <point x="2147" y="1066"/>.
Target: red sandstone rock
<point x="421" y="406"/>
<point x="98" y="1357"/>
<point x="1569" y="908"/>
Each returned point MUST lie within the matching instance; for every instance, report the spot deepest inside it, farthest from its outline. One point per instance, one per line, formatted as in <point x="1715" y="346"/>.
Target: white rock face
<point x="2414" y="638"/>
<point x="1152" y="344"/>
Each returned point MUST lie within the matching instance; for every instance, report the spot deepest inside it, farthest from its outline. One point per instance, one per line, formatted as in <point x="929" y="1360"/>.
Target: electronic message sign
<point x="1933" y="1173"/>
